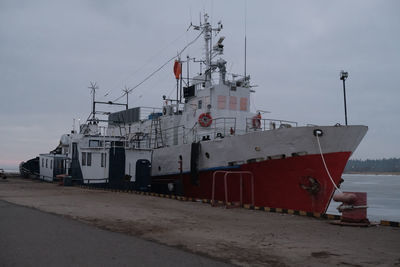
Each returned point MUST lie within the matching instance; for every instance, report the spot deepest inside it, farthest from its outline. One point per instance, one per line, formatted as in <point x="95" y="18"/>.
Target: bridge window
<point x="243" y="103"/>
<point x="233" y="103"/>
<point x="221" y="102"/>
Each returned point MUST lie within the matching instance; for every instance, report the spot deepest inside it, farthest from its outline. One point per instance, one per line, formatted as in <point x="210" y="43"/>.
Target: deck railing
<point x="255" y="124"/>
<point x="224" y="126"/>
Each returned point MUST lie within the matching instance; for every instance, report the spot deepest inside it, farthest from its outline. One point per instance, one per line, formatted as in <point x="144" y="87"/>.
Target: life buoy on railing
<point x="205" y="119"/>
<point x="257" y="121"/>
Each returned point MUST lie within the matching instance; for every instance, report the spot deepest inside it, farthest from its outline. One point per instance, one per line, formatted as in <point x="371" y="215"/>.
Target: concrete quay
<point x="234" y="236"/>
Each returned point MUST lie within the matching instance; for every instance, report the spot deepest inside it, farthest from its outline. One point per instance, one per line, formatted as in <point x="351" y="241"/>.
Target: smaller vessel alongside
<point x="30" y="168"/>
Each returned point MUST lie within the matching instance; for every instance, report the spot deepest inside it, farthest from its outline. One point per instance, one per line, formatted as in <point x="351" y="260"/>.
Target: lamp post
<point x="343" y="77"/>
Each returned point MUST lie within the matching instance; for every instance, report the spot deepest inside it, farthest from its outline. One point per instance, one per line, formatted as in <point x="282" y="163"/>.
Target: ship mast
<point x="207" y="30"/>
<point x="207" y="37"/>
<point x="93" y="86"/>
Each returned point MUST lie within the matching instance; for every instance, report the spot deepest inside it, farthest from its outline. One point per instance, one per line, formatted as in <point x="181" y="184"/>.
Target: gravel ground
<point x="238" y="236"/>
<point x="30" y="237"/>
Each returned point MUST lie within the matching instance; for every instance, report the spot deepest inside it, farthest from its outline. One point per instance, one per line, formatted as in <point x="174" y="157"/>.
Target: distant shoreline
<point x="374" y="173"/>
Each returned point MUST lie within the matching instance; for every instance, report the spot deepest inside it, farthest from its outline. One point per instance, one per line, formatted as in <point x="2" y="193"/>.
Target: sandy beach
<point x="238" y="236"/>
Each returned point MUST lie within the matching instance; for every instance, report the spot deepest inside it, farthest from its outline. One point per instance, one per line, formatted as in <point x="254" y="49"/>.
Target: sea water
<point x="383" y="195"/>
<point x="13" y="171"/>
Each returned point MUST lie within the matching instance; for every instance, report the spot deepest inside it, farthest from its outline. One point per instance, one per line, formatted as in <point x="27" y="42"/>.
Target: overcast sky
<point x="51" y="50"/>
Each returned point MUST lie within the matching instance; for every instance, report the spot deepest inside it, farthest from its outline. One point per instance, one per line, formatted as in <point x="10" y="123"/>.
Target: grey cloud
<point x="50" y="50"/>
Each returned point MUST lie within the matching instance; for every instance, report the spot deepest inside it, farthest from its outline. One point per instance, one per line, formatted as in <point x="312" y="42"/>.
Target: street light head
<point x="344" y="75"/>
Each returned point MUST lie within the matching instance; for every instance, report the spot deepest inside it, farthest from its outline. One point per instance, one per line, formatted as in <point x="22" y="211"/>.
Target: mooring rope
<point x="326" y="168"/>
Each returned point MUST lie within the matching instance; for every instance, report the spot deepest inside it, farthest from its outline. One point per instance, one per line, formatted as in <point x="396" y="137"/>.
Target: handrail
<point x="225" y="126"/>
<point x="226" y="173"/>
<point x="256" y="124"/>
<point x="180" y="133"/>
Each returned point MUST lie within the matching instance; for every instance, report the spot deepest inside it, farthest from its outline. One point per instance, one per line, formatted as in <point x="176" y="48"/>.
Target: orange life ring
<point x="257" y="121"/>
<point x="205" y="119"/>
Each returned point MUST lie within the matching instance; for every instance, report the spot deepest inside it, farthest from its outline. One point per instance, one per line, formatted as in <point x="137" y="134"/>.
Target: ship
<point x="207" y="144"/>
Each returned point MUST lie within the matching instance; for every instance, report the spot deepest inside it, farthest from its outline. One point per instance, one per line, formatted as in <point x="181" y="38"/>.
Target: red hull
<point x="279" y="183"/>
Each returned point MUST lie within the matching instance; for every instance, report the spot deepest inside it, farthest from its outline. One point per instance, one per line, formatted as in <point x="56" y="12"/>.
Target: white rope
<point x="326" y="168"/>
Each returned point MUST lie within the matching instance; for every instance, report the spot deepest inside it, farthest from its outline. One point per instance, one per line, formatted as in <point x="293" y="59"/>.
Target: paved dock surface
<point x="29" y="237"/>
<point x="238" y="236"/>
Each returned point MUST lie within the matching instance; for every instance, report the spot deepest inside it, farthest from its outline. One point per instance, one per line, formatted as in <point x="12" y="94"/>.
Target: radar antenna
<point x="126" y="91"/>
<point x="207" y="31"/>
<point x="245" y="41"/>
<point x="93" y="86"/>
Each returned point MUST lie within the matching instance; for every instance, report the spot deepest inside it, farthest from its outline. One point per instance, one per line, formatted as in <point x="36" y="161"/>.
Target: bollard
<point x="353" y="208"/>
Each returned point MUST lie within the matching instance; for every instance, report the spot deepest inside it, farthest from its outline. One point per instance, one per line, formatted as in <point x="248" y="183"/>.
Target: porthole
<point x="207" y="155"/>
